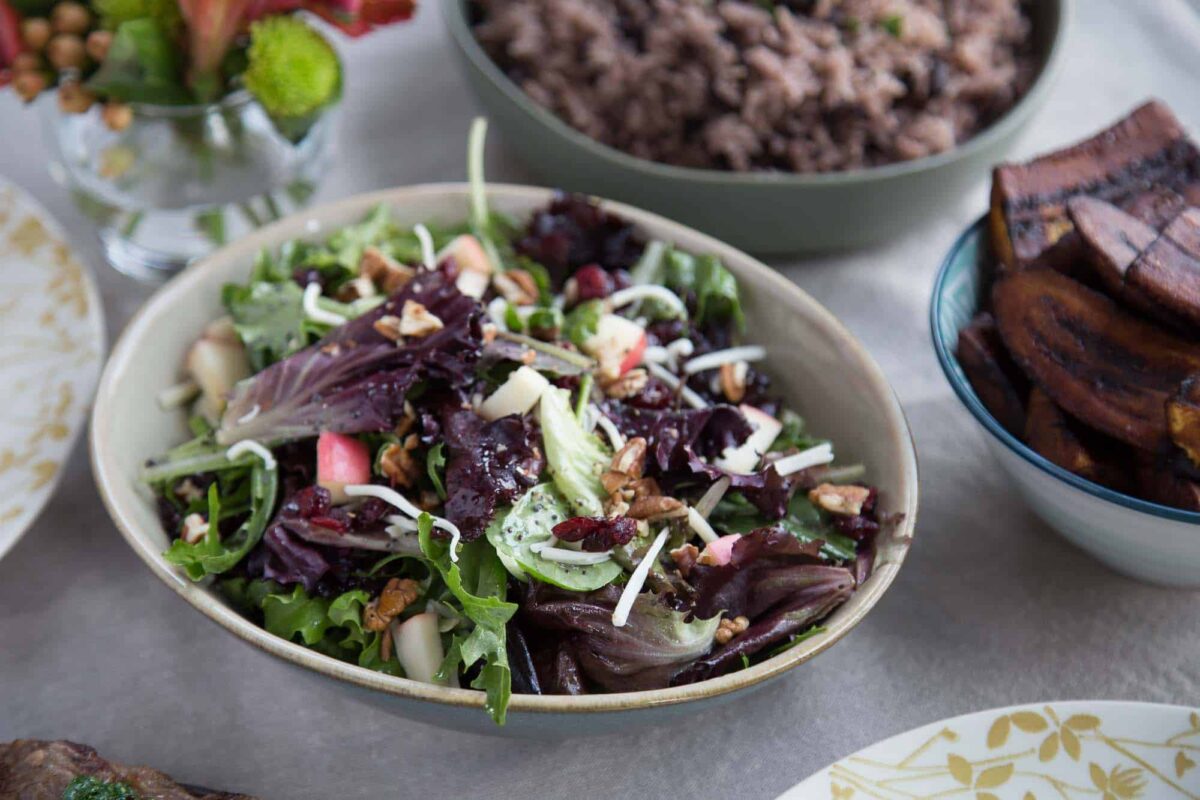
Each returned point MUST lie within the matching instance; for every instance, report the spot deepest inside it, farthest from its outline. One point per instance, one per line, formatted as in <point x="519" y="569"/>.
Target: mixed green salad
<point x="517" y="455"/>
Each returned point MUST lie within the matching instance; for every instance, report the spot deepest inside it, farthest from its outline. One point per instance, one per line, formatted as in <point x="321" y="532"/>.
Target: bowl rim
<point x="120" y="498"/>
<point x="962" y="388"/>
<point x="454" y="15"/>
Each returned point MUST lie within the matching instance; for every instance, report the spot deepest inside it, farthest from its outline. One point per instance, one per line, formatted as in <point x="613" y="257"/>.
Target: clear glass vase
<point x="180" y="181"/>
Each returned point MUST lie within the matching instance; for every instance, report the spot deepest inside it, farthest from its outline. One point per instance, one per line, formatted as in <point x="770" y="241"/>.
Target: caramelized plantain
<point x="1168" y="271"/>
<point x="1158" y="482"/>
<point x="1106" y="368"/>
<point x="1112" y="243"/>
<point x="1183" y="418"/>
<point x="998" y="381"/>
<point x="1137" y="164"/>
<point x="1070" y="445"/>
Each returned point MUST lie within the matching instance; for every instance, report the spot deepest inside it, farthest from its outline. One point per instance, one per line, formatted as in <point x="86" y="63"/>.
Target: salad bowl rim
<point x="121" y="498"/>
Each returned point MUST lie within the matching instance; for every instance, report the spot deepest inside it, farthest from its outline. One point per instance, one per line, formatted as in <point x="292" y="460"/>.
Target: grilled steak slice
<point x="39" y="770"/>
<point x="1144" y="163"/>
<point x="1106" y="368"/>
<point x="1000" y="384"/>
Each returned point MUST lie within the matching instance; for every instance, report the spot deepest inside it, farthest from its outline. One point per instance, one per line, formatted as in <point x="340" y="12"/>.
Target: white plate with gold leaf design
<point x="1085" y="749"/>
<point x="51" y="350"/>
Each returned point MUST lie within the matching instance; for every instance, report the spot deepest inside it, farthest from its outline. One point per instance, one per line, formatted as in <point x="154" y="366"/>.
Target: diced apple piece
<point x="517" y="395"/>
<point x="341" y="461"/>
<point x="419" y="647"/>
<point x="216" y="362"/>
<point x="474" y="266"/>
<point x="745" y="458"/>
<point x="720" y="552"/>
<point x="618" y="344"/>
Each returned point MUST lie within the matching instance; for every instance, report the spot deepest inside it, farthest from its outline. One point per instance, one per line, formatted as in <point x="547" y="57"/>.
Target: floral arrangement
<point x="183" y="52"/>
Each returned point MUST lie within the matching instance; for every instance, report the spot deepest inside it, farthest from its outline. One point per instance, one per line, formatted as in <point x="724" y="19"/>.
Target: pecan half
<point x="845" y="501"/>
<point x="384" y="271"/>
<point x="732" y="379"/>
<point x="631" y="459"/>
<point x="516" y="286"/>
<point x="388" y="326"/>
<point x="397" y="462"/>
<point x="417" y="321"/>
<point x="627" y="385"/>
<point x="397" y="595"/>
<point x="658" y="507"/>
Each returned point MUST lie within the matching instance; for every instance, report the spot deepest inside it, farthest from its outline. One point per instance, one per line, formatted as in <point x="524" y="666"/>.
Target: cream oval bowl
<point x="822" y="370"/>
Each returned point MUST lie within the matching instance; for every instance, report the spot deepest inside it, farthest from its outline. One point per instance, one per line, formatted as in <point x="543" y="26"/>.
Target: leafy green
<point x="212" y="554"/>
<point x="529" y="523"/>
<point x="479" y="582"/>
<point x="165" y="13"/>
<point x="582" y="322"/>
<point x="792" y="434"/>
<point x="893" y="24"/>
<point x="349" y="242"/>
<point x="435" y="465"/>
<point x="714" y="286"/>
<point x="735" y="514"/>
<point x="89" y="787"/>
<point x="269" y="318"/>
<point x="815" y="630"/>
<point x="142" y="66"/>
<point x="572" y="454"/>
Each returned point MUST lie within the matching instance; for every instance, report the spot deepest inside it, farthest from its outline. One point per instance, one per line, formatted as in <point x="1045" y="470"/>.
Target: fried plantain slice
<point x="1146" y="153"/>
<point x="1183" y="418"/>
<point x="1158" y="482"/>
<point x="1168" y="271"/>
<point x="998" y="381"/>
<point x="1067" y="443"/>
<point x="1112" y="242"/>
<point x="1106" y="368"/>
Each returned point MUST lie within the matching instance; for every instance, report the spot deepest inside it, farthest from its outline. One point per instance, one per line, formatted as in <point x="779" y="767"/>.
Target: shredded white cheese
<point x="427" y="253"/>
<point x="812" y="457"/>
<point x="538" y="547"/>
<point x="691" y="398"/>
<point x="637" y="580"/>
<point x="662" y="294"/>
<point x="315" y="312"/>
<point x="708" y="501"/>
<point x="250" y="446"/>
<point x="175" y="396"/>
<point x="681" y="348"/>
<point x="249" y="415"/>
<point x="399" y="501"/>
<point x="610" y="430"/>
<point x="564" y="556"/>
<point x="403" y="524"/>
<point x="700" y="525"/>
<point x="656" y="354"/>
<point x="719" y="358"/>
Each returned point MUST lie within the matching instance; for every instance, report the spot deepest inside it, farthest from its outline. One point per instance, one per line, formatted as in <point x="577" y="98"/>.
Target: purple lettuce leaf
<point x="488" y="463"/>
<point x="769" y="567"/>
<point x="654" y="645"/>
<point x="355" y="380"/>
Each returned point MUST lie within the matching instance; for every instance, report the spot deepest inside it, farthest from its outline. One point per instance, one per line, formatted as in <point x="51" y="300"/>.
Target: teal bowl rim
<point x="962" y="388"/>
<point x="455" y="16"/>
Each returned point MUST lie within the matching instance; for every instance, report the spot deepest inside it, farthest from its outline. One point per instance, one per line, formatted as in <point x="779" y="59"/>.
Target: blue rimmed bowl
<point x="1144" y="540"/>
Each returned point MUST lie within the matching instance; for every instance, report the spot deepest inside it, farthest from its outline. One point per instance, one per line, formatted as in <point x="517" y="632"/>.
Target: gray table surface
<point x="992" y="608"/>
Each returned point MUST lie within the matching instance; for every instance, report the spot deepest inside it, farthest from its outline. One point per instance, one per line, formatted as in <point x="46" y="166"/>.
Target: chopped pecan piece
<point x="732" y="378"/>
<point x="417" y="321"/>
<point x="658" y="507"/>
<point x="397" y="595"/>
<point x="625" y="386"/>
<point x="645" y="487"/>
<point x="685" y="558"/>
<point x="729" y="628"/>
<point x="384" y="271"/>
<point x="356" y="289"/>
<point x="613" y="481"/>
<point x="388" y="326"/>
<point x="397" y="462"/>
<point x="846" y="501"/>
<point x="631" y="459"/>
<point x="516" y="286"/>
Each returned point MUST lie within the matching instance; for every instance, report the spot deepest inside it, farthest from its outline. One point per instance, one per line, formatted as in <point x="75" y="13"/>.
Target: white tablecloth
<point x="992" y="608"/>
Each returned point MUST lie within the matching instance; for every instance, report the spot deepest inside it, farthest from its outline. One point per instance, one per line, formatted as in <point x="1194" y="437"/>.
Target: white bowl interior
<point x="818" y="366"/>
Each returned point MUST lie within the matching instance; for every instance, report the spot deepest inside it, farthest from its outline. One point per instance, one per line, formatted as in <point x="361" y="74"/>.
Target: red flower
<point x="211" y="26"/>
<point x="354" y="17"/>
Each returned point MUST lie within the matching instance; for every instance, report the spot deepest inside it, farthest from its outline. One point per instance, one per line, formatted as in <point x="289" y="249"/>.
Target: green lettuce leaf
<point x="270" y="319"/>
<point x="479" y="582"/>
<point x="582" y="321"/>
<point x="735" y="514"/>
<point x="435" y="465"/>
<point x="572" y="454"/>
<point x="714" y="286"/>
<point x="529" y="523"/>
<point x="213" y="555"/>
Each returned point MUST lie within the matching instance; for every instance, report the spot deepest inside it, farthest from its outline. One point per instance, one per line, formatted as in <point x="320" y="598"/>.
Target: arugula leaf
<point x="713" y="285"/>
<point x="792" y="434"/>
<point x="529" y="523"/>
<point x="582" y="321"/>
<point x="269" y="318"/>
<point x="212" y="555"/>
<point x="435" y="465"/>
<point x="141" y="66"/>
<point x="349" y="243"/>
<point x="479" y="583"/>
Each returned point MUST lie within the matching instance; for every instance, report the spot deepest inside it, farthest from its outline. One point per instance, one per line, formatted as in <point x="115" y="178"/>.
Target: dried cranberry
<point x="573" y="231"/>
<point x="368" y="515"/>
<point x="594" y="283"/>
<point x="310" y="502"/>
<point x="596" y="533"/>
<point x="621" y="279"/>
<point x="449" y="267"/>
<point x="332" y="523"/>
<point x="857" y="527"/>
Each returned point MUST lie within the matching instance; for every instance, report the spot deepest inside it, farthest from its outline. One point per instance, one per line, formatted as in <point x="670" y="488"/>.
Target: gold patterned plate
<point x="51" y="349"/>
<point x="1046" y="751"/>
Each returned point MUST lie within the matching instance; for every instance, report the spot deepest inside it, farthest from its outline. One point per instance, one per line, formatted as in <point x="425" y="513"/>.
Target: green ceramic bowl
<point x="759" y="212"/>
